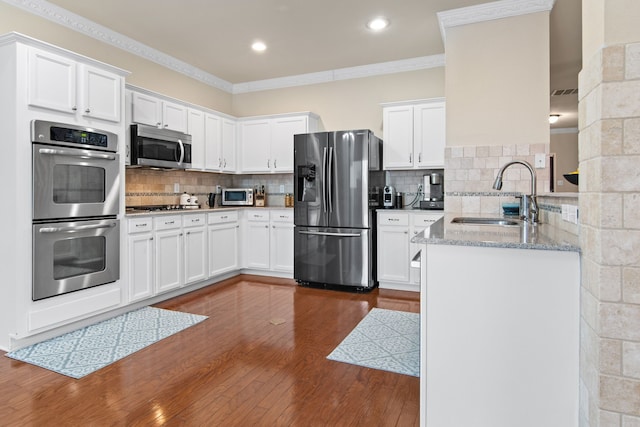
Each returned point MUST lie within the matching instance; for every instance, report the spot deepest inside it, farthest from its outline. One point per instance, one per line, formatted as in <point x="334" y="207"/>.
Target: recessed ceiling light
<point x="259" y="46"/>
<point x="377" y="24"/>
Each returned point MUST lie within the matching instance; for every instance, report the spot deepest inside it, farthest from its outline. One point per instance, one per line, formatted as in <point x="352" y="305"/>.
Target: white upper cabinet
<point x="62" y="84"/>
<point x="196" y="128"/>
<point x="256" y="145"/>
<point x="414" y="134"/>
<point x="267" y="142"/>
<point x="220" y="143"/>
<point x="153" y="111"/>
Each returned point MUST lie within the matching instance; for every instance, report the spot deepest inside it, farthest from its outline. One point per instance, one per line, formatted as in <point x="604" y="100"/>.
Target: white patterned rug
<point x="86" y="350"/>
<point x="385" y="339"/>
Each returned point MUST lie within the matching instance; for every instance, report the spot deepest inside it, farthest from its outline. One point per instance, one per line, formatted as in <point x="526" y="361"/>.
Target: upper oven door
<point x="72" y="183"/>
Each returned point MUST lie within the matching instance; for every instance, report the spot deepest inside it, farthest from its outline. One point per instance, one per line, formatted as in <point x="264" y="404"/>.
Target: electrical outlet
<point x="281" y="188"/>
<point x="540" y="162"/>
<point x="218" y="189"/>
<point x="176" y="187"/>
<point x="570" y="213"/>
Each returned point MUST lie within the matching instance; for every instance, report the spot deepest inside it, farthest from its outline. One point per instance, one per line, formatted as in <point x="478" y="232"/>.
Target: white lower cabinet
<point x="168" y="252"/>
<point x="281" y="235"/>
<point x="195" y="247"/>
<point x="256" y="247"/>
<point x="140" y="258"/>
<point x="223" y="239"/>
<point x="268" y="242"/>
<point x="395" y="250"/>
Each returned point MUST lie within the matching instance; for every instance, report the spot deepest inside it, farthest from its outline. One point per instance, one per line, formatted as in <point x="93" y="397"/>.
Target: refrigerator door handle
<point x="324" y="179"/>
<point x="326" y="233"/>
<point x="330" y="197"/>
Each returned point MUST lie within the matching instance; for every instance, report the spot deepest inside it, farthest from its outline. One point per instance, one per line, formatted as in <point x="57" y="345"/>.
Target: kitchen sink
<point x="484" y="221"/>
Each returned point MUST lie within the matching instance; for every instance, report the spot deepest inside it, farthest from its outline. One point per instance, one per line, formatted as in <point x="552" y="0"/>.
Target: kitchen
<point x="424" y="84"/>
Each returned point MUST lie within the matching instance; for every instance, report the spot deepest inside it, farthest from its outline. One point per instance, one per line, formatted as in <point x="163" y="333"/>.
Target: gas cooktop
<point x="153" y="208"/>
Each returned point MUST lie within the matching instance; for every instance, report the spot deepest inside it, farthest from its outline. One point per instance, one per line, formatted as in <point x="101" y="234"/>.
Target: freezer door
<point x="334" y="257"/>
<point x="310" y="154"/>
<point x="348" y="179"/>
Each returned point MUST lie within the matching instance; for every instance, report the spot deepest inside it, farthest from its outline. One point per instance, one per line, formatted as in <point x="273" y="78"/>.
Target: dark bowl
<point x="572" y="178"/>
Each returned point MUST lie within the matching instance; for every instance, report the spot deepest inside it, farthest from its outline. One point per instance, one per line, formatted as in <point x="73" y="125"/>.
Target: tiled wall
<point x="609" y="111"/>
<point x="470" y="172"/>
<point x="156" y="187"/>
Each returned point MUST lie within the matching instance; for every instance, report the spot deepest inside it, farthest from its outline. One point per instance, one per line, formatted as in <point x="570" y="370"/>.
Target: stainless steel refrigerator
<point x="338" y="182"/>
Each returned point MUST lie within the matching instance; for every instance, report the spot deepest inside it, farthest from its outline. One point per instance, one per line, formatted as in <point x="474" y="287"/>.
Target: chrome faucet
<point x="528" y="203"/>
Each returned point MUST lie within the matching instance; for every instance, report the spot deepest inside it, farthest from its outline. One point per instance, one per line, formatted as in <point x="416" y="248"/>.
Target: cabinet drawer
<point x="282" y="216"/>
<point x="255" y="215"/>
<point x="193" y="220"/>
<point x="421" y="221"/>
<point x="396" y="218"/>
<point x="140" y="225"/>
<point x="222" y="217"/>
<point x="167" y="222"/>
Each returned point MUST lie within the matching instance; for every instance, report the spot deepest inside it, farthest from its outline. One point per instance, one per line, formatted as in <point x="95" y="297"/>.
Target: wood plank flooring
<point x="259" y="360"/>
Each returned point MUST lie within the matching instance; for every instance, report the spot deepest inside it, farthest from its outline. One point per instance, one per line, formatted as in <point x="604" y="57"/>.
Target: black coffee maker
<point x="433" y="189"/>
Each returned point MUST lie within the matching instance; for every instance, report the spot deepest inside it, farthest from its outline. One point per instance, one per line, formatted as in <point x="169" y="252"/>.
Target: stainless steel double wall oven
<point x="76" y="198"/>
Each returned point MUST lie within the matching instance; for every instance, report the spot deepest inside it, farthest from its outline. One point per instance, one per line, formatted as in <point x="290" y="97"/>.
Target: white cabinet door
<point x="196" y="128"/>
<point x="195" y="254"/>
<point x="398" y="137"/>
<point x="174" y="116"/>
<point x="429" y="134"/>
<point x="213" y="144"/>
<point x="282" y="246"/>
<point x="393" y="253"/>
<point x="257" y="245"/>
<point x="256" y="145"/>
<point x="153" y="111"/>
<point x="52" y="81"/>
<point x="282" y="132"/>
<point x="229" y="156"/>
<point x="168" y="252"/>
<point x="102" y="93"/>
<point x="223" y="248"/>
<point x="146" y="109"/>
<point x="140" y="266"/>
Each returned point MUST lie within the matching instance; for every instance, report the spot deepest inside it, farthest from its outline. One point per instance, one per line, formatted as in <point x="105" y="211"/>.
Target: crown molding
<point x="382" y="68"/>
<point x="63" y="17"/>
<point x="92" y="29"/>
<point x="490" y="11"/>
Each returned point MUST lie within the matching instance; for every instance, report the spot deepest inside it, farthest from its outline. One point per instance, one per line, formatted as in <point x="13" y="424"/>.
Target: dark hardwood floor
<point x="259" y="360"/>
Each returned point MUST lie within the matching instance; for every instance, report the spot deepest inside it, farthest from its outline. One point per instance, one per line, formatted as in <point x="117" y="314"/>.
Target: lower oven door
<point x="69" y="256"/>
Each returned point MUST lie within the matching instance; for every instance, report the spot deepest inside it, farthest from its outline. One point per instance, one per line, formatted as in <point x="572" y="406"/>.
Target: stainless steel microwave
<point x="237" y="197"/>
<point x="161" y="148"/>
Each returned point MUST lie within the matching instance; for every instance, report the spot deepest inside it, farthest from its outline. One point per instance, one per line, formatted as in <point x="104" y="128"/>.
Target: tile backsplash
<point x="157" y="187"/>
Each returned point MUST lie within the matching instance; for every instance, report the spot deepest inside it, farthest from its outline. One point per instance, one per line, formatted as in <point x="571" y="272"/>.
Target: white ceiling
<point x="307" y="36"/>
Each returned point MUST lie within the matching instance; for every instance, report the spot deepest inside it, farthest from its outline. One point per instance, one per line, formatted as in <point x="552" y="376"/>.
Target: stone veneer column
<point x="610" y="236"/>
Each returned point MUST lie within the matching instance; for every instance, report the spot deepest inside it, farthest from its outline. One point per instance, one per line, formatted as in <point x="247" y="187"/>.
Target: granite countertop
<point x="130" y="213"/>
<point x="522" y="236"/>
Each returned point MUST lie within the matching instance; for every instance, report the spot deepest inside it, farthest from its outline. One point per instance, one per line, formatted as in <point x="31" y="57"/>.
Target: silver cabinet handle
<point x="87" y="110"/>
<point x="74" y="108"/>
<point x="82" y="154"/>
<point x="79" y="228"/>
<point x="275" y="163"/>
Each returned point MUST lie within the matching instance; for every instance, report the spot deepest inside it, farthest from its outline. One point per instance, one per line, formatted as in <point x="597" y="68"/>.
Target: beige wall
<point x="144" y="73"/>
<point x="565" y="148"/>
<point x="609" y="22"/>
<point x="345" y="104"/>
<point x="497" y="82"/>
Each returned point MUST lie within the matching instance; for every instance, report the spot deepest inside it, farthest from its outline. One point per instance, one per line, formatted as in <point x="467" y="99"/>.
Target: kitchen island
<point x="500" y="313"/>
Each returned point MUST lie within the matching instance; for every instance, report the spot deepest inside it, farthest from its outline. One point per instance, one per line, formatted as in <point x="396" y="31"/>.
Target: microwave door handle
<point x="81" y="155"/>
<point x="77" y="229"/>
<point x="181" y="146"/>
